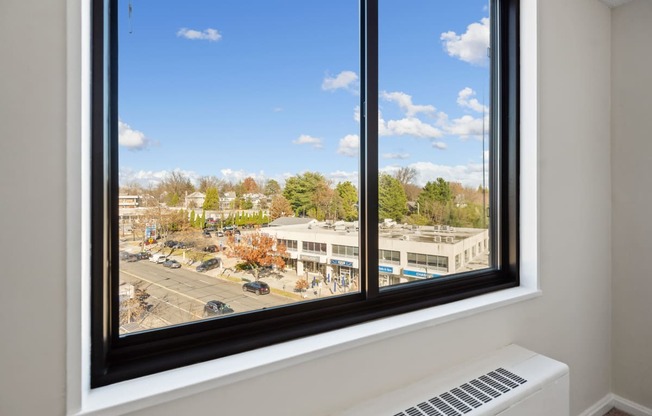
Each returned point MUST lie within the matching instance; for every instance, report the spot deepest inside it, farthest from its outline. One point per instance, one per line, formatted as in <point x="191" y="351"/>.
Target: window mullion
<point x="369" y="148"/>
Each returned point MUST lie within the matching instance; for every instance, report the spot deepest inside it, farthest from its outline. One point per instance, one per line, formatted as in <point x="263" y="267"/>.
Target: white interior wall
<point x="632" y="200"/>
<point x="571" y="322"/>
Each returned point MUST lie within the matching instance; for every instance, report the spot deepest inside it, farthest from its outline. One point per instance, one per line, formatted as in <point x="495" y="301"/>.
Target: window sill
<point x="141" y="393"/>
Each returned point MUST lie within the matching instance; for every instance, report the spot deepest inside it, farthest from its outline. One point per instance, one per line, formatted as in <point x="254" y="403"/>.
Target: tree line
<point x="312" y="195"/>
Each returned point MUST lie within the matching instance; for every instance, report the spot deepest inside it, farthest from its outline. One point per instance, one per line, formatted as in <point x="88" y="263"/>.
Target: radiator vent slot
<point x="469" y="396"/>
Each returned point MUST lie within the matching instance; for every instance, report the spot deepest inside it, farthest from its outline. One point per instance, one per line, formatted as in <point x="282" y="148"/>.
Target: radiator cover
<point x="512" y="381"/>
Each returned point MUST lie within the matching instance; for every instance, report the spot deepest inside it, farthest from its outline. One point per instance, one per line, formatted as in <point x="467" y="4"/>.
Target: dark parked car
<point x="216" y="307"/>
<point x="210" y="249"/>
<point x="173" y="264"/>
<point x="207" y="234"/>
<point x="132" y="258"/>
<point x="258" y="287"/>
<point x="209" y="264"/>
<point x="124" y="255"/>
<point x="171" y="243"/>
<point x="144" y="255"/>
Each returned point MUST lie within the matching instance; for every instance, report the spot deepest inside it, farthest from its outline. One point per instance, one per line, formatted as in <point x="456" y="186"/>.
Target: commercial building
<point x="406" y="253"/>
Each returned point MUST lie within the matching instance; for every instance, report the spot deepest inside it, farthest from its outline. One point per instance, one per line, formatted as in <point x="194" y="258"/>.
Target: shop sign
<point x="309" y="258"/>
<point x="342" y="263"/>
<point x="422" y="275"/>
<point x="385" y="269"/>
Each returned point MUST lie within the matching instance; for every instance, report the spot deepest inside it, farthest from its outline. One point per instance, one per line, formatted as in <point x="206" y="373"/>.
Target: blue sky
<point x="270" y="88"/>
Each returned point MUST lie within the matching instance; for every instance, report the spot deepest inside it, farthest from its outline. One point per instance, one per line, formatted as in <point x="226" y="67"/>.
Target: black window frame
<point x="116" y="358"/>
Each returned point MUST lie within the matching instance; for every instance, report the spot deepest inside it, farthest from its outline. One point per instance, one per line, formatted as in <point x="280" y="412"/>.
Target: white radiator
<point x="512" y="381"/>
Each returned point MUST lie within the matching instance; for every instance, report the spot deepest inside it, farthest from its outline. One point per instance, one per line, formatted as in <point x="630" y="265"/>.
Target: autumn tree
<point x="250" y="186"/>
<point x="348" y="194"/>
<point x="325" y="202"/>
<point x="257" y="250"/>
<point x="392" y="202"/>
<point x="212" y="199"/>
<point x="280" y="207"/>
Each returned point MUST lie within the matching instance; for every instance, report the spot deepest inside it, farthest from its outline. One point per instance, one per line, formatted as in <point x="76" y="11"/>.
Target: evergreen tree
<point x="392" y="202"/>
<point x="435" y="201"/>
<point x="212" y="199"/>
<point x="348" y="198"/>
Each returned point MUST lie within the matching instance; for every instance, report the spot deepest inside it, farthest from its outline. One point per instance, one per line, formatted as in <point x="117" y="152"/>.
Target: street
<point x="179" y="295"/>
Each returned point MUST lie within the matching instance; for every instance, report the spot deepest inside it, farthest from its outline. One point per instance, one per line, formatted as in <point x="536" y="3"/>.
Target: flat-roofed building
<point x="406" y="253"/>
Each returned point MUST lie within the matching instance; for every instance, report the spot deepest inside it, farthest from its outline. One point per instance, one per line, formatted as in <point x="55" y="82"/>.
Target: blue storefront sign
<point x="385" y="269"/>
<point x="422" y="275"/>
<point x="342" y="263"/>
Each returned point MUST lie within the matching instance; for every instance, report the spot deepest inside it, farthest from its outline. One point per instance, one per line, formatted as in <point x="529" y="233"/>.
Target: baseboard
<point x="630" y="407"/>
<point x="603" y="405"/>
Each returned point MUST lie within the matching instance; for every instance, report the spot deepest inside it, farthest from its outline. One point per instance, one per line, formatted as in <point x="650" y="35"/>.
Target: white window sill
<point x="143" y="392"/>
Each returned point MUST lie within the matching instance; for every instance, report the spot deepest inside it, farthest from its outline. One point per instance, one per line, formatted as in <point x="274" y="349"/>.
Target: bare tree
<point x="406" y="175"/>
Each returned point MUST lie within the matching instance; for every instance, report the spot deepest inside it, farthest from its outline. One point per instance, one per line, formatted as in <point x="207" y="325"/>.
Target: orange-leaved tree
<point x="258" y="250"/>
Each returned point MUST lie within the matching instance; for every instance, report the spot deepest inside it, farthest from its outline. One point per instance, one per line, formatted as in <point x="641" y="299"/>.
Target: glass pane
<point x="434" y="78"/>
<point x="238" y="156"/>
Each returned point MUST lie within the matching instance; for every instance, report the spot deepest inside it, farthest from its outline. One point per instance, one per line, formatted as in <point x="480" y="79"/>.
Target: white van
<point x="158" y="258"/>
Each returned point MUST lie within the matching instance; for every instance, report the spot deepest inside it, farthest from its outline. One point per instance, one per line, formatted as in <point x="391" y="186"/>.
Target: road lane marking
<point x="161" y="286"/>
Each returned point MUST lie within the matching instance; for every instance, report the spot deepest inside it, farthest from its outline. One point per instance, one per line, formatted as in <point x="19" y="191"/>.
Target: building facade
<point x="406" y="253"/>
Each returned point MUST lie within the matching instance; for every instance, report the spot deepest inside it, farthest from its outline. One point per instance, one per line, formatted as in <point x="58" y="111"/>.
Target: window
<point x="345" y="251"/>
<point x="439" y="263"/>
<point x="389" y="256"/>
<point x="390" y="132"/>
<point x="290" y="245"/>
<point x="312" y="247"/>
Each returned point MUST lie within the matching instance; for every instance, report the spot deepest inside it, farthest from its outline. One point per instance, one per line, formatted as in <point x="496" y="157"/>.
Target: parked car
<point x="210" y="249"/>
<point x="220" y="234"/>
<point x="258" y="287"/>
<point x="171" y="243"/>
<point x="158" y="258"/>
<point x="124" y="255"/>
<point x="216" y="307"/>
<point x="209" y="264"/>
<point x="207" y="234"/>
<point x="132" y="258"/>
<point x="173" y="264"/>
<point x="144" y="255"/>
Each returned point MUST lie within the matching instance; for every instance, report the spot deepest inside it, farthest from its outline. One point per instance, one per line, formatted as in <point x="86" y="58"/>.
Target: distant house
<point x="226" y="200"/>
<point x="129" y="201"/>
<point x="195" y="200"/>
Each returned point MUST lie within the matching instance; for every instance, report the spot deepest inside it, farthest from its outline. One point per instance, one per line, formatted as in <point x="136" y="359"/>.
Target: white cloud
<point x="439" y="145"/>
<point x="398" y="156"/>
<point x="464" y="100"/>
<point x="468" y="175"/>
<point x="152" y="178"/>
<point x="404" y="101"/>
<point x="305" y="139"/>
<point x="209" y="34"/>
<point x="467" y="126"/>
<point x="347" y="80"/>
<point x="408" y="127"/>
<point x="470" y="46"/>
<point x="277" y="109"/>
<point x="343" y="176"/>
<point x="349" y="145"/>
<point x="234" y="176"/>
<point x="356" y="113"/>
<point x="130" y="138"/>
